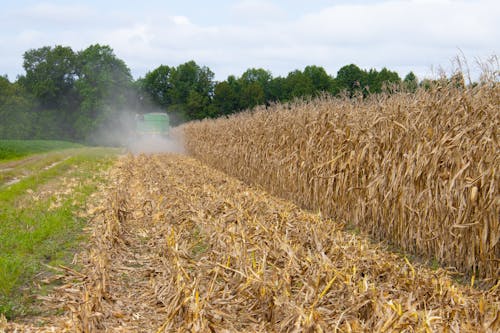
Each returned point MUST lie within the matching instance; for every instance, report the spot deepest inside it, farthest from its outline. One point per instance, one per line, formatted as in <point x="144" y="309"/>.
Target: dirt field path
<point x="177" y="246"/>
<point x="12" y="172"/>
<point x="12" y="164"/>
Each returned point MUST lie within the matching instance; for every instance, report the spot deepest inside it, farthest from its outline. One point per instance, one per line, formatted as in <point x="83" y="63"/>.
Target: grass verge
<point x="40" y="224"/>
<point x="15" y="149"/>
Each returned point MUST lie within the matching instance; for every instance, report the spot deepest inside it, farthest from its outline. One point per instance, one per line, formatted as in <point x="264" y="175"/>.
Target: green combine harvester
<point x="155" y="124"/>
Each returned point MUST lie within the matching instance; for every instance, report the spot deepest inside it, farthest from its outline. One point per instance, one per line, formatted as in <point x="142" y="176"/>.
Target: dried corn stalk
<point x="421" y="171"/>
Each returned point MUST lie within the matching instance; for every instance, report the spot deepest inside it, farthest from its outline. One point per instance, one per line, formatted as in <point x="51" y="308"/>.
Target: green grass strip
<point x="15" y="149"/>
<point x="36" y="233"/>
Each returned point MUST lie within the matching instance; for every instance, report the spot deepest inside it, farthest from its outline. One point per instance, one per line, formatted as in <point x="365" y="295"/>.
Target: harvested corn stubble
<point x="179" y="246"/>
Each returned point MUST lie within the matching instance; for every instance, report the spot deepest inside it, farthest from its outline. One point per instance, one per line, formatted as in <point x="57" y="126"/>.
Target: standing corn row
<point x="418" y="170"/>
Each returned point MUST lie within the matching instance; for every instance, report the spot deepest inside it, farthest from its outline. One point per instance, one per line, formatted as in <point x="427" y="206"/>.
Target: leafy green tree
<point x="158" y="84"/>
<point x="298" y="85"/>
<point x="277" y="89"/>
<point x="387" y="78"/>
<point x="186" y="90"/>
<point x="226" y="96"/>
<point x="351" y="78"/>
<point x="6" y="89"/>
<point x="252" y="94"/>
<point x="75" y="92"/>
<point x="16" y="111"/>
<point x="411" y="82"/>
<point x="335" y="88"/>
<point x="50" y="75"/>
<point x="378" y="81"/>
<point x="104" y="82"/>
<point x="198" y="106"/>
<point x="259" y="76"/>
<point x="189" y="77"/>
<point x="321" y="81"/>
<point x="373" y="82"/>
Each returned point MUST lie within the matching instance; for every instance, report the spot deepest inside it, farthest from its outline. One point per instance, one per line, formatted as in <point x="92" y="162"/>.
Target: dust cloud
<point x="150" y="145"/>
<point x="121" y="131"/>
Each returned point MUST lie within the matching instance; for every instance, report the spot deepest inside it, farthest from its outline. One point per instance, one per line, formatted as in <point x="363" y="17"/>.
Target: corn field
<point x="177" y="246"/>
<point x="420" y="171"/>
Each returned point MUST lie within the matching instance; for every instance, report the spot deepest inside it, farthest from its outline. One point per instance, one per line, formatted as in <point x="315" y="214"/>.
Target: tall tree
<point x="410" y="82"/>
<point x="186" y="90"/>
<point x="104" y="82"/>
<point x="377" y="81"/>
<point x="189" y="77"/>
<point x="260" y="77"/>
<point x="277" y="89"/>
<point x="50" y="75"/>
<point x="226" y="96"/>
<point x="321" y="81"/>
<point x="297" y="84"/>
<point x="252" y="94"/>
<point x="158" y="84"/>
<point x="351" y="78"/>
<point x="388" y="78"/>
<point x="16" y="111"/>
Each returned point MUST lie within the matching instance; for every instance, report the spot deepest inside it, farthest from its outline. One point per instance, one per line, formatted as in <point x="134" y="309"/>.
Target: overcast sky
<point x="232" y="36"/>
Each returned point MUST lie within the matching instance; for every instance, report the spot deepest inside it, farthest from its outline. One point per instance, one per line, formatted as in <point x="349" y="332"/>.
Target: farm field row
<point x="178" y="246"/>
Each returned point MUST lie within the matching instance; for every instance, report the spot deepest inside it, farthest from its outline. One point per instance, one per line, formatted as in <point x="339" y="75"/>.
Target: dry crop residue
<point x="178" y="246"/>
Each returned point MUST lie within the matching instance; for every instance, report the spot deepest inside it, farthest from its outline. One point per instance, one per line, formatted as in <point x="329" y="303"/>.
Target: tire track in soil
<point x="17" y="179"/>
<point x="12" y="172"/>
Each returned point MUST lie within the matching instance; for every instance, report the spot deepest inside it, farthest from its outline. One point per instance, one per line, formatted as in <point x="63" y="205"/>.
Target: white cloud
<point x="439" y="23"/>
<point x="398" y="34"/>
<point x="181" y="20"/>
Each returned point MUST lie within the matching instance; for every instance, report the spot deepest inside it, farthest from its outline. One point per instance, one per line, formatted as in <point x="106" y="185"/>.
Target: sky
<point x="229" y="37"/>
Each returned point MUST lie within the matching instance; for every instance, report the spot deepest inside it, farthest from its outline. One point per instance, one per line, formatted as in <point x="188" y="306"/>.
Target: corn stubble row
<point x="420" y="171"/>
<point x="180" y="247"/>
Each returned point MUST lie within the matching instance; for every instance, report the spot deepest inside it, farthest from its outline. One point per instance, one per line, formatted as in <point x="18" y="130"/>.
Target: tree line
<point x="71" y="95"/>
